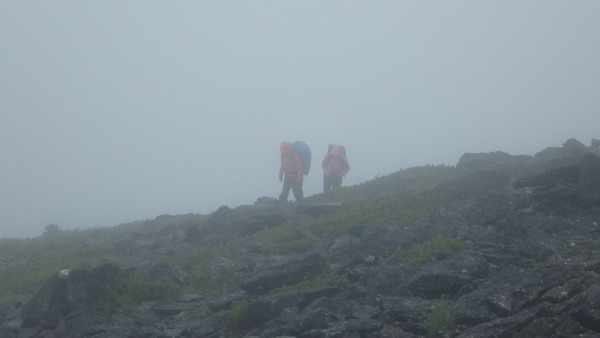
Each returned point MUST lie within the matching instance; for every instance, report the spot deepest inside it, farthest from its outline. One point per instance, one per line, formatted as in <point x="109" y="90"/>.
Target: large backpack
<point x="333" y="145"/>
<point x="303" y="152"/>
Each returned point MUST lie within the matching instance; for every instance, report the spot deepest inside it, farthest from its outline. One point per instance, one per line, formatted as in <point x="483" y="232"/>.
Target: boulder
<point x="268" y="308"/>
<point x="65" y="293"/>
<point x="288" y="271"/>
<point x="495" y="162"/>
<point x="588" y="182"/>
<point x="447" y="277"/>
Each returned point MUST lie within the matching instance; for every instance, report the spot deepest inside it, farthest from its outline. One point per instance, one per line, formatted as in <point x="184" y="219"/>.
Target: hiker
<point x="335" y="166"/>
<point x="290" y="172"/>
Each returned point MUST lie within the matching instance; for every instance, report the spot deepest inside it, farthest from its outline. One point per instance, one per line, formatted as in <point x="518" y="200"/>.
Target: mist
<point x="113" y="112"/>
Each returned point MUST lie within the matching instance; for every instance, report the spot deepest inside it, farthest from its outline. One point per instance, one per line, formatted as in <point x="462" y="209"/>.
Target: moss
<point x="237" y="308"/>
<point x="418" y="253"/>
<point x="439" y="318"/>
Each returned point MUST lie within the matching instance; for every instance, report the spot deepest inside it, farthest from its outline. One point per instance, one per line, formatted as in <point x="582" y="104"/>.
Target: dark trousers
<point x="331" y="182"/>
<point x="289" y="182"/>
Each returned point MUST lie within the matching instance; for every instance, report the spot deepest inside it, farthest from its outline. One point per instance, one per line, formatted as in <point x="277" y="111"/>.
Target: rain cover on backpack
<point x="303" y="152"/>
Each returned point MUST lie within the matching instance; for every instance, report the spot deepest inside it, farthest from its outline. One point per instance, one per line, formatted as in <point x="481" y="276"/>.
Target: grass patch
<point x="237" y="309"/>
<point x="440" y="317"/>
<point x="418" y="253"/>
<point x="406" y="181"/>
<point x="400" y="198"/>
<point x="402" y="209"/>
<point x="137" y="289"/>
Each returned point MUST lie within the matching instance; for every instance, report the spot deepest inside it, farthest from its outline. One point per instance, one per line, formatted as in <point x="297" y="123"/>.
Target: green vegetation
<point x="440" y="317"/>
<point x="400" y="198"/>
<point x="418" y="253"/>
<point x="283" y="239"/>
<point x="133" y="291"/>
<point x="237" y="308"/>
<point x="408" y="181"/>
<point x="34" y="261"/>
<point x="401" y="210"/>
<point x="137" y="289"/>
<point x="37" y="260"/>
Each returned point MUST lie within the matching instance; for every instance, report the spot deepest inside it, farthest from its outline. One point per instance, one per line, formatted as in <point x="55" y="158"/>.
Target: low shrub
<point x="440" y="317"/>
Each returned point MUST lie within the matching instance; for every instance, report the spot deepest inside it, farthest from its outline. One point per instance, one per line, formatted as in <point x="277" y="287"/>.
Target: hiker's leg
<point x="336" y="181"/>
<point x="326" y="183"/>
<point x="297" y="190"/>
<point x="287" y="184"/>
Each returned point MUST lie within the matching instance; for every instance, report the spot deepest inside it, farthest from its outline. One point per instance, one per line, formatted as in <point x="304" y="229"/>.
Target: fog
<point x="113" y="111"/>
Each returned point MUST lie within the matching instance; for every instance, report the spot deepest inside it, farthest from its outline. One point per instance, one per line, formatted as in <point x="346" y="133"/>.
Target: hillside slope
<point x="499" y="246"/>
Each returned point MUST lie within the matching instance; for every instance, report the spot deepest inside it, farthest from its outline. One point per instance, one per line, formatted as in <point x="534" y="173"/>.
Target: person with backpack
<point x="335" y="166"/>
<point x="290" y="172"/>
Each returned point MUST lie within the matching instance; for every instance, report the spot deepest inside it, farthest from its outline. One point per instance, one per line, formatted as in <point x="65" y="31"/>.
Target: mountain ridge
<point x="498" y="245"/>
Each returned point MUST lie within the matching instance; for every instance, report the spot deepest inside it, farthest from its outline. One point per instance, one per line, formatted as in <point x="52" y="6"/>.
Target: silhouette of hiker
<point x="335" y="166"/>
<point x="290" y="173"/>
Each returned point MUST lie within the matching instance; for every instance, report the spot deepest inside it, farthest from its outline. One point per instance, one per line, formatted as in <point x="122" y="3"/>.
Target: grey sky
<point x="116" y="111"/>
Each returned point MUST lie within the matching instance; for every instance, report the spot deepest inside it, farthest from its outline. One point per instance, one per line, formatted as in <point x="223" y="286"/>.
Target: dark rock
<point x="445" y="278"/>
<point x="11" y="326"/>
<point x="381" y="279"/>
<point x="588" y="183"/>
<point x="219" y="227"/>
<point x="317" y="315"/>
<point x="167" y="310"/>
<point x="494" y="162"/>
<point x="86" y="325"/>
<point x="563" y="189"/>
<point x="190" y="297"/>
<point x="44" y="309"/>
<point x="552" y="157"/>
<point x="585" y="308"/>
<point x="30" y="332"/>
<point x="224" y="302"/>
<point x="82" y="288"/>
<point x="491" y="208"/>
<point x="268" y="308"/>
<point x="287" y="271"/>
<point x="408" y="313"/>
<point x="551" y="178"/>
<point x="506" y="327"/>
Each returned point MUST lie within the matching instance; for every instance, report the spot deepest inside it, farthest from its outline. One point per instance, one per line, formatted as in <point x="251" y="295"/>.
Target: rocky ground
<point x="531" y="268"/>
